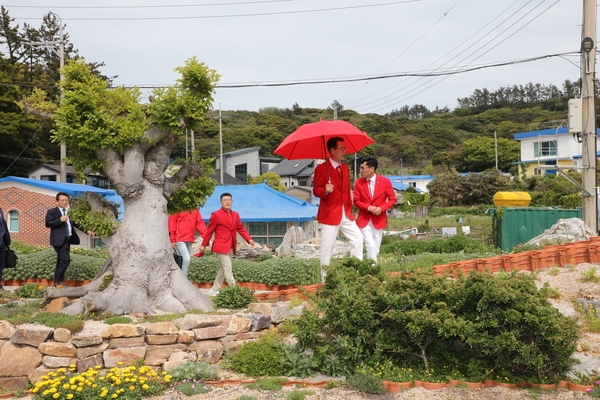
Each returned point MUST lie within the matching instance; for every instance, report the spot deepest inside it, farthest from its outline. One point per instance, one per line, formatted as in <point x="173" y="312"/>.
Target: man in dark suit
<point x="332" y="187"/>
<point x="62" y="235"/>
<point x="4" y="243"/>
<point x="374" y="196"/>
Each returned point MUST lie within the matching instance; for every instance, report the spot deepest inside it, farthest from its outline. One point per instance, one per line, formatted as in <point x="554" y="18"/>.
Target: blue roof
<point x="260" y="203"/>
<point x="72" y="189"/>
<point x="545" y="132"/>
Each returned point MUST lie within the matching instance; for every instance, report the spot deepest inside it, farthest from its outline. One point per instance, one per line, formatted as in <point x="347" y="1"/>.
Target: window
<point x="264" y="167"/>
<point x="267" y="232"/>
<point x="241" y="172"/>
<point x="542" y="149"/>
<point x="302" y="183"/>
<point x="13" y="221"/>
<point x="48" y="178"/>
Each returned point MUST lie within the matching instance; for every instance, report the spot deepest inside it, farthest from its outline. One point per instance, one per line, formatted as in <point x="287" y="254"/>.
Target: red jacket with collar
<point x="330" y="206"/>
<point x="225" y="226"/>
<point x="383" y="196"/>
<point x="183" y="226"/>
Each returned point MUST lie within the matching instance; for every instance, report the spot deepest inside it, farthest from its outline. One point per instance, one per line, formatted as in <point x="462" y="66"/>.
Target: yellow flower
<point x="114" y="395"/>
<point x="70" y="396"/>
<point x="131" y="387"/>
<point x="145" y="387"/>
<point x="56" y="395"/>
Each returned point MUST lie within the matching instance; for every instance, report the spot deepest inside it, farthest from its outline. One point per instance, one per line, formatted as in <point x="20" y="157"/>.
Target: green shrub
<point x="365" y="382"/>
<point x="30" y="291"/>
<point x="272" y="383"/>
<point x="234" y="297"/>
<point x="262" y="358"/>
<point x="299" y="394"/>
<point x="246" y="398"/>
<point x="192" y="388"/>
<point x="194" y="371"/>
<point x="472" y="325"/>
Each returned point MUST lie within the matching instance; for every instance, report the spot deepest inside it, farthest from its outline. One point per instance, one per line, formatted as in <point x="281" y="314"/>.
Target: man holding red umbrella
<point x="332" y="187"/>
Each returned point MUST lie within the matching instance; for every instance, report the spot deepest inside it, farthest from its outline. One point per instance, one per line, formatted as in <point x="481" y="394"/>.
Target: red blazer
<point x="183" y="226"/>
<point x="384" y="197"/>
<point x="330" y="206"/>
<point x="225" y="226"/>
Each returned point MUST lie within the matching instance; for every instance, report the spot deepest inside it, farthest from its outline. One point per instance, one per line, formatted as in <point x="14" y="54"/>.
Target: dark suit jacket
<point x="4" y="233"/>
<point x="58" y="230"/>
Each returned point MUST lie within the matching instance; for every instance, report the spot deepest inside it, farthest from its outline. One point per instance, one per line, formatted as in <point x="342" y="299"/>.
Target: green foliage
<point x="299" y="394"/>
<point x="478" y="154"/>
<point x="102" y="223"/>
<point x="118" y="320"/>
<point x="365" y="382"/>
<point x="192" y="388"/>
<point x="452" y="189"/>
<point x="262" y="358"/>
<point x="472" y="326"/>
<point x="272" y="179"/>
<point x="106" y="280"/>
<point x="194" y="371"/>
<point x="455" y="244"/>
<point x="271" y="383"/>
<point x="30" y="291"/>
<point x="271" y="271"/>
<point x="234" y="297"/>
<point x="590" y="275"/>
<point x="193" y="194"/>
<point x="246" y="398"/>
<point x="41" y="264"/>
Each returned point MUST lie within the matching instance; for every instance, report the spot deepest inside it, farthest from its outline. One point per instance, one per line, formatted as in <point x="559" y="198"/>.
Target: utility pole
<point x="61" y="60"/>
<point x="588" y="134"/>
<point x="221" y="146"/>
<point x="496" y="148"/>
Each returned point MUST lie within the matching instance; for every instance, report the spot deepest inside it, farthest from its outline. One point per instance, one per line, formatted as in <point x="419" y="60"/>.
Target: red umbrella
<point x="309" y="141"/>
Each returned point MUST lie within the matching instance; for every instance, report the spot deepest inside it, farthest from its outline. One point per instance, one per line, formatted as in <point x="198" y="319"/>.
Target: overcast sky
<point x="283" y="41"/>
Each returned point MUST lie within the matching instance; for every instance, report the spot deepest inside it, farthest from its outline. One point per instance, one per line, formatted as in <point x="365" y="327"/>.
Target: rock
<point x="178" y="358"/>
<point x="161" y="339"/>
<point x="83" y="364"/>
<point x="161" y="328"/>
<point x="86" y="340"/>
<point x="192" y="321"/>
<point x="58" y="362"/>
<point x="563" y="231"/>
<point x="211" y="332"/>
<point x="245" y="251"/>
<point x="62" y="335"/>
<point x="85" y="352"/>
<point x="18" y="360"/>
<point x="6" y="329"/>
<point x="157" y="355"/>
<point x="126" y="342"/>
<point x="259" y="322"/>
<point x="31" y="334"/>
<point x="57" y="349"/>
<point x="122" y="330"/>
<point x="237" y="325"/>
<point x="128" y="356"/>
<point x="208" y="350"/>
<point x="293" y="237"/>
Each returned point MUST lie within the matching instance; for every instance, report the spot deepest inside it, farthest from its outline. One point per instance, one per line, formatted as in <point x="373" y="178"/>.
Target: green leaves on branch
<point x="186" y="103"/>
<point x="102" y="223"/>
<point x="192" y="195"/>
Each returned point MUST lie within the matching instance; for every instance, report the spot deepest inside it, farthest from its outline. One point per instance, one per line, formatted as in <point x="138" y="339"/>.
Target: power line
<point x="154" y="6"/>
<point x="239" y="15"/>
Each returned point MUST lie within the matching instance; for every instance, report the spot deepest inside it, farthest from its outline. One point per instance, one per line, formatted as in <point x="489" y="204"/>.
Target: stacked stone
<point x="30" y="351"/>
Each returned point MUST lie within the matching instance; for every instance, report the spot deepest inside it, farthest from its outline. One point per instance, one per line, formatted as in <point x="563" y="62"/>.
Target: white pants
<point x="372" y="238"/>
<point x="330" y="232"/>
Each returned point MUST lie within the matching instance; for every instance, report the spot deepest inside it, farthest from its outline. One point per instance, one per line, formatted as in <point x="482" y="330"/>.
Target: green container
<point x="516" y="225"/>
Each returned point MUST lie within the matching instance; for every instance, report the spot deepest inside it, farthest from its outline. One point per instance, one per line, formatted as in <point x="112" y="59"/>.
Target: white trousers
<point x="372" y="238"/>
<point x="330" y="232"/>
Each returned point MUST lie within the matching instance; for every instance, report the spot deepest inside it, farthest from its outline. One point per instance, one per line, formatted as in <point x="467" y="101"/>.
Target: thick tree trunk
<point x="145" y="276"/>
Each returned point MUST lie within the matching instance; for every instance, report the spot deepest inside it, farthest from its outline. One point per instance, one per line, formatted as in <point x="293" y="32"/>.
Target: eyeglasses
<point x="343" y="148"/>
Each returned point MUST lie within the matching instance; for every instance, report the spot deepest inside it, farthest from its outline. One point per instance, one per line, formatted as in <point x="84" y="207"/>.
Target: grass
<point x="480" y="225"/>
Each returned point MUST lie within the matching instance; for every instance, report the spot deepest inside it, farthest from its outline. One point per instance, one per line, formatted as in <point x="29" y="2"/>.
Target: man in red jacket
<point x="373" y="195"/>
<point x="225" y="224"/>
<point x="332" y="187"/>
<point x="182" y="230"/>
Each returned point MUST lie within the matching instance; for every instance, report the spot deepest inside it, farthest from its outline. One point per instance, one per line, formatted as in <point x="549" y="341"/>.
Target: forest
<point x="413" y="138"/>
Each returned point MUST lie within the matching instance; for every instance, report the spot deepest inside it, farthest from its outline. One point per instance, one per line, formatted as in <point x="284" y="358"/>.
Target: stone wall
<point x="29" y="351"/>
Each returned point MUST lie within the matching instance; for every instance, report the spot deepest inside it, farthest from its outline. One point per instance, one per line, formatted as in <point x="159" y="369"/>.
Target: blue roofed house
<point x="265" y="213"/>
<point x="243" y="162"/>
<point x="402" y="182"/>
<point x="26" y="201"/>
<point x="545" y="148"/>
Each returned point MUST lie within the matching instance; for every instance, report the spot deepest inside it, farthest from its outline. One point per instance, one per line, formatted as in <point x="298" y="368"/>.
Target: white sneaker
<point x="212" y="294"/>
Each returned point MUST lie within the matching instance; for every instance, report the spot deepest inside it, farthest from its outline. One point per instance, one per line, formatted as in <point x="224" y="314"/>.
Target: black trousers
<point x="2" y="261"/>
<point x="63" y="259"/>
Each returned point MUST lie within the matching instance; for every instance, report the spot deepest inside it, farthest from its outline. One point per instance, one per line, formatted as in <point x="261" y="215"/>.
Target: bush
<point x="365" y="382"/>
<point x="473" y="325"/>
<point x="234" y="297"/>
<point x="194" y="371"/>
<point x="30" y="291"/>
<point x="262" y="358"/>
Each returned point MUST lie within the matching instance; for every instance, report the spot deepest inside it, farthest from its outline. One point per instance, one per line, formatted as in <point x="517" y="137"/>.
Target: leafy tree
<point x="272" y="179"/>
<point x="111" y="130"/>
<point x="479" y="154"/>
<point x="451" y="189"/>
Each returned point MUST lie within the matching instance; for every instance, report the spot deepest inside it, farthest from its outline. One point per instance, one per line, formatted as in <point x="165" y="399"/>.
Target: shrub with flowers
<point x="125" y="383"/>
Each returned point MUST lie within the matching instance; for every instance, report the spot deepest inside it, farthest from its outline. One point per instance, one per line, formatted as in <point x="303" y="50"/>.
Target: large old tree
<point x="111" y="129"/>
